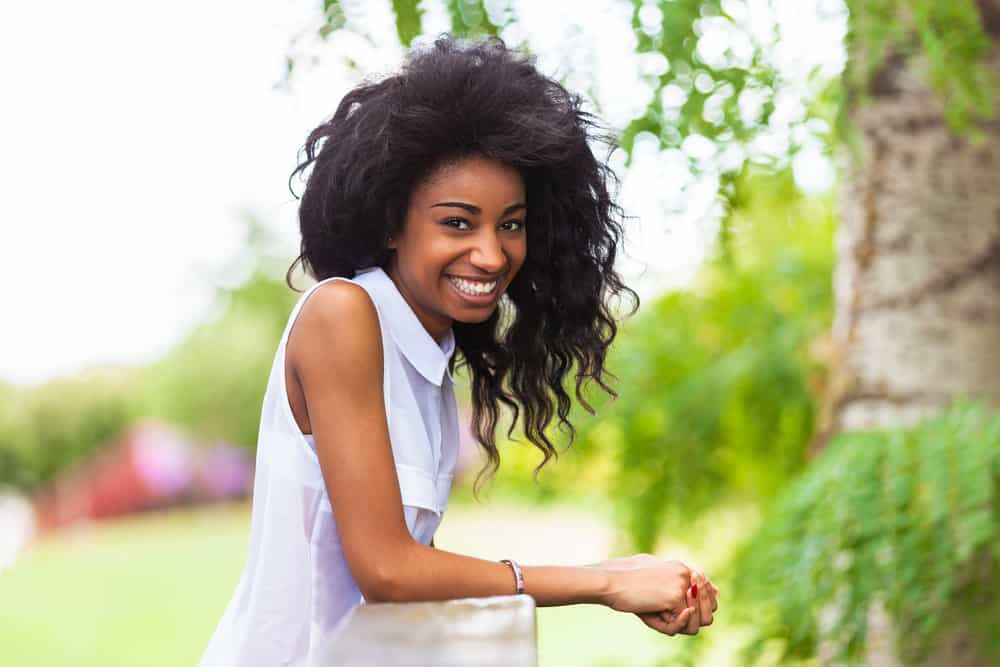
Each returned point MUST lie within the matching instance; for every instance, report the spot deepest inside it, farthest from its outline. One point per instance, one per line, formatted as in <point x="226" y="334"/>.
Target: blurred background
<point x="810" y="391"/>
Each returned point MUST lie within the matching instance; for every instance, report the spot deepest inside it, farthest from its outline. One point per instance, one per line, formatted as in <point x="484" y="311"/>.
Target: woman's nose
<point x="488" y="255"/>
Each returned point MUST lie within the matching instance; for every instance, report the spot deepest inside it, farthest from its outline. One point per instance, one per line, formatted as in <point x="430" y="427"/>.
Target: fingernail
<point x="694" y="591"/>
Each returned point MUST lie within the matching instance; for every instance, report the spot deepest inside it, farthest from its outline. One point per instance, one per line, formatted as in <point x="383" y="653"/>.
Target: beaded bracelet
<point x="518" y="577"/>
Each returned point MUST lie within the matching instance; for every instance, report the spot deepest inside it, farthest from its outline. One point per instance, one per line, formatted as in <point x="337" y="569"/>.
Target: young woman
<point x="452" y="211"/>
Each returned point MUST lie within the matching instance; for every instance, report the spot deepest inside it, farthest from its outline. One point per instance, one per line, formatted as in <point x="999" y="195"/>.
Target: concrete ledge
<point x="487" y="632"/>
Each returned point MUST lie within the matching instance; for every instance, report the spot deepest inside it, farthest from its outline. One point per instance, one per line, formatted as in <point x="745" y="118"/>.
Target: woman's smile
<point x="475" y="291"/>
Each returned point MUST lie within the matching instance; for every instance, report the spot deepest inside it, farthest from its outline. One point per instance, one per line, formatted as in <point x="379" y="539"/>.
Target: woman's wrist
<point x="562" y="585"/>
<point x="606" y="585"/>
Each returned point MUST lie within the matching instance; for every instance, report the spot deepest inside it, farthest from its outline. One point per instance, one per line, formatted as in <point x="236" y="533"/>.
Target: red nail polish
<point x="694" y="590"/>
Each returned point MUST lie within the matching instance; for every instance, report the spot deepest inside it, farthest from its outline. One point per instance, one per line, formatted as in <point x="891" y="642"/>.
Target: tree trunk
<point x="917" y="284"/>
<point x="918" y="272"/>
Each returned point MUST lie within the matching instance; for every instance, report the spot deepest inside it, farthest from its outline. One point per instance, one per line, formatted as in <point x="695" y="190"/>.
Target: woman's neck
<point x="435" y="325"/>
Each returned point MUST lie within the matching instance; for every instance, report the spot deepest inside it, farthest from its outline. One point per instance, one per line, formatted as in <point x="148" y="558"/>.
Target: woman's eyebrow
<point x="472" y="208"/>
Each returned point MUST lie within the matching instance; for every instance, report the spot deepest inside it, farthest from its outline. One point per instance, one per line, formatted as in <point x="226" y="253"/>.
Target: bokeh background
<point x="809" y="399"/>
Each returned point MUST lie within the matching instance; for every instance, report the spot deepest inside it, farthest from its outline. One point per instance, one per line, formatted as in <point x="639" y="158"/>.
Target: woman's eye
<point x="457" y="223"/>
<point x="512" y="225"/>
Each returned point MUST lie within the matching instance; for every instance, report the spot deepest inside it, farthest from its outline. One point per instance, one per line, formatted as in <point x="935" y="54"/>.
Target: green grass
<point x="145" y="591"/>
<point x="149" y="590"/>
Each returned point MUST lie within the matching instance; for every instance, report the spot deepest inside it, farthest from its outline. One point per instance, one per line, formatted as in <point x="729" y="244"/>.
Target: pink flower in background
<point x="226" y="471"/>
<point x="164" y="461"/>
<point x="150" y="466"/>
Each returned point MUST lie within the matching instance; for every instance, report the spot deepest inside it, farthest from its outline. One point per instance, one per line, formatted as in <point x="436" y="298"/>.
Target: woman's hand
<point x="659" y="592"/>
<point x="698" y="614"/>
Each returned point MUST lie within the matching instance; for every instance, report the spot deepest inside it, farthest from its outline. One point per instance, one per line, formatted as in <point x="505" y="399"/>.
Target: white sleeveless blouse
<point x="296" y="583"/>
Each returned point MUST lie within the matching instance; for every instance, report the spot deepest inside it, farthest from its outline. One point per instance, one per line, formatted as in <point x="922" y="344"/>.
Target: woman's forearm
<point x="425" y="573"/>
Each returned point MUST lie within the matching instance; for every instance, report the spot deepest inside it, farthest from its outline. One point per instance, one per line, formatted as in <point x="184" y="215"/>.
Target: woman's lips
<point x="476" y="292"/>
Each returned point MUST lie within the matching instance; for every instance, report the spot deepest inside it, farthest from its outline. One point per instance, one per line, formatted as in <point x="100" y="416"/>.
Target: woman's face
<point x="462" y="243"/>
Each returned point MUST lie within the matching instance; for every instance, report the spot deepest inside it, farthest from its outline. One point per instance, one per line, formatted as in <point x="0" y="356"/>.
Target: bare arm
<point x="337" y="358"/>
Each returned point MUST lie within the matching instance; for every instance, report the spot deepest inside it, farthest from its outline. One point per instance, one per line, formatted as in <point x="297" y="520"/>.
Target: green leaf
<point x="409" y="17"/>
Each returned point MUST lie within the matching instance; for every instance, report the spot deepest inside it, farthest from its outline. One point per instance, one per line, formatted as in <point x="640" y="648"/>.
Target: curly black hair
<point x="452" y="100"/>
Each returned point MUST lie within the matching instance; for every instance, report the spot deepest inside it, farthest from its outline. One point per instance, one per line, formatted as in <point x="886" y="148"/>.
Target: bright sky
<point x="136" y="138"/>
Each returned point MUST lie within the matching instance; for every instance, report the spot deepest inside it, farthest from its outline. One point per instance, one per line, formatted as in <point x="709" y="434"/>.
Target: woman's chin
<point x="477" y="317"/>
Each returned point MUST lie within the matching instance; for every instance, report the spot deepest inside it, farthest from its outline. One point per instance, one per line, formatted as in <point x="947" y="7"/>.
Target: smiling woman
<point x="452" y="267"/>
<point x="487" y="110"/>
<point x="453" y="211"/>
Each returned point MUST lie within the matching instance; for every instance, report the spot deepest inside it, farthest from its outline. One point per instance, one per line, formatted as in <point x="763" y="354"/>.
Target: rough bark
<point x="918" y="274"/>
<point x="917" y="283"/>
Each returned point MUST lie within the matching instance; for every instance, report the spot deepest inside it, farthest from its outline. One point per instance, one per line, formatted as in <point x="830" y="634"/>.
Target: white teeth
<point x="472" y="288"/>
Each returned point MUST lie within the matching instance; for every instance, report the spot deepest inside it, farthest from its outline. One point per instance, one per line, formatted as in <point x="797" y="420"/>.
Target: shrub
<point x="909" y="519"/>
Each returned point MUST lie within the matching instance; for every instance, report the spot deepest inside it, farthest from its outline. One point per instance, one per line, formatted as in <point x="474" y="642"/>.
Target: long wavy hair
<point x="452" y="100"/>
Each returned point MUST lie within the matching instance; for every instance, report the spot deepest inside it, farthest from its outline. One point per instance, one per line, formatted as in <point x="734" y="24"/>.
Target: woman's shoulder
<point x="338" y="319"/>
<point x="337" y="298"/>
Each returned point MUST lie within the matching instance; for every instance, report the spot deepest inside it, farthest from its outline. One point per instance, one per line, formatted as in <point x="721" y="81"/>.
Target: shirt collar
<point x="429" y="357"/>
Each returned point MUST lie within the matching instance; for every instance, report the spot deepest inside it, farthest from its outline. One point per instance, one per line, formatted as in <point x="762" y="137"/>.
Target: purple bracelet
<point x="518" y="577"/>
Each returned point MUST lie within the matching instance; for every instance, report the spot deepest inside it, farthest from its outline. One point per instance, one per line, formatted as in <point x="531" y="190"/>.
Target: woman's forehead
<point x="472" y="176"/>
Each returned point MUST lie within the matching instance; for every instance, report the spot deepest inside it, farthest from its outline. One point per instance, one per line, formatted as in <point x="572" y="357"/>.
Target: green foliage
<point x="46" y="429"/>
<point x="213" y="383"/>
<point x="709" y="93"/>
<point x="909" y="518"/>
<point x="715" y="383"/>
<point x="948" y="36"/>
<point x="333" y="18"/>
<point x="469" y="18"/>
<point x="408" y="19"/>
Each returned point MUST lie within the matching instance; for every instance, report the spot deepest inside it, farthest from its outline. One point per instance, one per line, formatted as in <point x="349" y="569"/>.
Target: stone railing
<point x="486" y="632"/>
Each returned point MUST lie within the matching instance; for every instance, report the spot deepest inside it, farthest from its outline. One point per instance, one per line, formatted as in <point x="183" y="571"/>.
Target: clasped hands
<point x="666" y="595"/>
